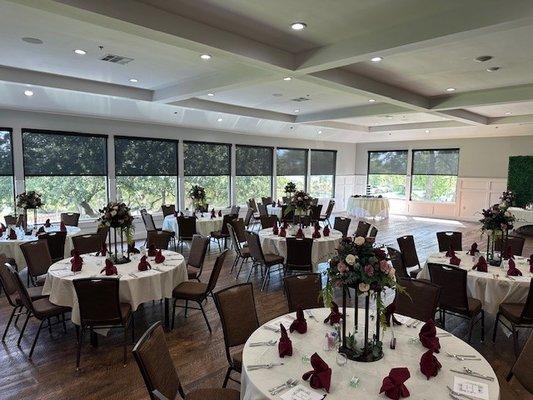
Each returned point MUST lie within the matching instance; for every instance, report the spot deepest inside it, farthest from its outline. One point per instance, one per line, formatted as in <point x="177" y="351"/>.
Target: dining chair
<point x="148" y="221"/>
<point x="242" y="253"/>
<point x="453" y="296"/>
<point x="409" y="255"/>
<point x="70" y="219"/>
<point x="239" y="227"/>
<point x="396" y="260"/>
<point x="10" y="220"/>
<point x="342" y="225"/>
<point x="315" y="212"/>
<point x="236" y="326"/>
<point x="314" y="201"/>
<point x="223" y="233"/>
<point x="516" y="243"/>
<point x="447" y="239"/>
<point x="101" y="308"/>
<point x="186" y="230"/>
<point x="38" y="260"/>
<point x="263" y="212"/>
<point x="373" y="232"/>
<point x="159" y="372"/>
<point x="250" y="221"/>
<point x="103" y="231"/>
<point x="299" y="254"/>
<point x="303" y="290"/>
<point x="286" y="199"/>
<point x="90" y="243"/>
<point x="419" y="300"/>
<point x="287" y="215"/>
<point x="195" y="262"/>
<point x="362" y="229"/>
<point x="269" y="221"/>
<point x="197" y="291"/>
<point x="252" y="204"/>
<point x="168" y="209"/>
<point x="56" y="244"/>
<point x="325" y="217"/>
<point x="160" y="239"/>
<point x="262" y="260"/>
<point x="523" y="366"/>
<point x="235" y="210"/>
<point x="266" y="200"/>
<point x="517" y="315"/>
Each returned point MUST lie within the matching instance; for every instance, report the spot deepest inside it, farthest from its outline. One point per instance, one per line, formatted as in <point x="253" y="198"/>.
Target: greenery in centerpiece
<point x="290" y="188"/>
<point x="118" y="216"/>
<point x="29" y="200"/>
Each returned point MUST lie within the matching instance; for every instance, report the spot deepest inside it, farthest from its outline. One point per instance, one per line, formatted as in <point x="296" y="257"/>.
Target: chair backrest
<point x="215" y="273"/>
<point x="168" y="210"/>
<point x="98" y="300"/>
<point x="37" y="257"/>
<point x="303" y="290"/>
<point x="198" y="251"/>
<point x="254" y="245"/>
<point x="56" y="244"/>
<point x="524" y="365"/>
<point x="186" y="227"/>
<point x="226" y="219"/>
<point x="263" y="212"/>
<point x="329" y="210"/>
<point x="239" y="227"/>
<point x="103" y="231"/>
<point x="70" y="219"/>
<point x="156" y="365"/>
<point x="148" y="221"/>
<point x="237" y="326"/>
<point x="249" y="215"/>
<point x="527" y="311"/>
<point x="314" y="201"/>
<point x="23" y="295"/>
<point x="449" y="239"/>
<point x="452" y="281"/>
<point x="362" y="229"/>
<point x="315" y="212"/>
<point x="235" y="241"/>
<point x="299" y="254"/>
<point x="373" y="232"/>
<point x="268" y="221"/>
<point x="286" y="215"/>
<point x="252" y="204"/>
<point x="6" y="280"/>
<point x="396" y="260"/>
<point x="235" y="210"/>
<point x="10" y="220"/>
<point x="342" y="224"/>
<point x="516" y="243"/>
<point x="420" y="299"/>
<point x="160" y="239"/>
<point x="266" y="200"/>
<point x="407" y="248"/>
<point x="90" y="243"/>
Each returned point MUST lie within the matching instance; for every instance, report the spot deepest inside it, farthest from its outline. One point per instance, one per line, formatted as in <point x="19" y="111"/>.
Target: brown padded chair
<point x="523" y="366"/>
<point x="160" y="239"/>
<point x="159" y="373"/>
<point x="56" y="244"/>
<point x="260" y="259"/>
<point x="453" y="297"/>
<point x="373" y="232"/>
<point x="419" y="301"/>
<point x="315" y="212"/>
<point x="195" y="263"/>
<point x="223" y="233"/>
<point x="237" y="326"/>
<point x="299" y="254"/>
<point x="148" y="221"/>
<point x="38" y="260"/>
<point x="342" y="225"/>
<point x="396" y="260"/>
<point x="362" y="229"/>
<point x="325" y="217"/>
<point x="516" y="243"/>
<point x="449" y="239"/>
<point x="10" y="220"/>
<point x="100" y="307"/>
<point x="268" y="221"/>
<point x="303" y="291"/>
<point x="263" y="212"/>
<point x="239" y="227"/>
<point x="168" y="210"/>
<point x="70" y="219"/>
<point x="242" y="253"/>
<point x="197" y="291"/>
<point x="409" y="255"/>
<point x="266" y="200"/>
<point x="186" y="230"/>
<point x="519" y="315"/>
<point x="90" y="243"/>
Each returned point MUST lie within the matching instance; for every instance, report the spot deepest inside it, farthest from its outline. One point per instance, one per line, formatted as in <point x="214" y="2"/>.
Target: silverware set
<point x="310" y="315"/>
<point x="464" y="357"/>
<point x="267" y="343"/>
<point x="413" y="323"/>
<point x="287" y="385"/>
<point x="271" y="328"/>
<point x="262" y="366"/>
<point x="458" y="396"/>
<point x="469" y="372"/>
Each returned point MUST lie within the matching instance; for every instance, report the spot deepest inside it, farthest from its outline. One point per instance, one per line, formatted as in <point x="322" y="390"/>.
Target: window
<point x="291" y="165"/>
<point x="6" y="174"/>
<point x="387" y="172"/>
<point x="147" y="172"/>
<point x="434" y="175"/>
<point x="208" y="165"/>
<point x="254" y="173"/>
<point x="69" y="171"/>
<point x="322" y="181"/>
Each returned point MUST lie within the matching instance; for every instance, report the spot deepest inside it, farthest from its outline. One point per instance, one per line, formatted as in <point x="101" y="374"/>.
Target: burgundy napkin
<point x="103" y="250"/>
<point x="481" y="265"/>
<point x="389" y="315"/>
<point x="194" y="214"/>
<point x="47" y="223"/>
<point x="275" y="229"/>
<point x="220" y="213"/>
<point x="76" y="262"/>
<point x="450" y="252"/>
<point x="429" y="365"/>
<point x="300" y="234"/>
<point x="12" y="234"/>
<point x="109" y="269"/>
<point x="132" y="249"/>
<point x="2" y="228"/>
<point x="316" y="233"/>
<point x="159" y="257"/>
<point x="279" y="203"/>
<point x="213" y="213"/>
<point x="144" y="264"/>
<point x="531" y="263"/>
<point x="299" y="324"/>
<point x="152" y="251"/>
<point x="62" y="227"/>
<point x="320" y="376"/>
<point x="393" y="384"/>
<point x="473" y="249"/>
<point x="513" y="271"/>
<point x="41" y="230"/>
<point x="284" y="344"/>
<point x="454" y="260"/>
<point x="428" y="336"/>
<point x="326" y="231"/>
<point x="282" y="232"/>
<point x="334" y="316"/>
<point x="176" y="214"/>
<point x="508" y="253"/>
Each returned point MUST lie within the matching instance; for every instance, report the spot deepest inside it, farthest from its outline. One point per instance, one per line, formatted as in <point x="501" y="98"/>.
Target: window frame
<point x="307" y="165"/>
<point x="334" y="166"/>
<point x="13" y="195"/>
<point x="272" y="149"/>
<point x="405" y="197"/>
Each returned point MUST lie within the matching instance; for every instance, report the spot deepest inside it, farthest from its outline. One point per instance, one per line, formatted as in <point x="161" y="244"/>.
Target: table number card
<point x="471" y="388"/>
<point x="302" y="393"/>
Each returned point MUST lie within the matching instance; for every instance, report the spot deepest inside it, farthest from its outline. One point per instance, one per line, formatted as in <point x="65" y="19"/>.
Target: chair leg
<point x="205" y="316"/>
<point x="186" y="307"/>
<point x="78" y="354"/>
<point x="226" y="378"/>
<point x="515" y="340"/>
<point x="173" y="314"/>
<point x="125" y="345"/>
<point x="23" y="328"/>
<point x="509" y="376"/>
<point x="19" y="313"/>
<point x="250" y="273"/>
<point x="9" y="323"/>
<point x="235" y="262"/>
<point x="495" y="327"/>
<point x="482" y="325"/>
<point x="37" y="337"/>
<point x="471" y="322"/>
<point x="64" y="324"/>
<point x="49" y="326"/>
<point x="132" y="329"/>
<point x="240" y="268"/>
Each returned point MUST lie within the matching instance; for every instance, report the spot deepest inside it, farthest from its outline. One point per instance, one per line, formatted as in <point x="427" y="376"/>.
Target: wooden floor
<point x="199" y="356"/>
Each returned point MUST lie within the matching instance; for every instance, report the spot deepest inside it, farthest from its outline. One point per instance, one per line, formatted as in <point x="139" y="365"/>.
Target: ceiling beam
<point x="464" y="116"/>
<point x="352" y="112"/>
<point x="416" y="126"/>
<point x="340" y="125"/>
<point x="514" y="119"/>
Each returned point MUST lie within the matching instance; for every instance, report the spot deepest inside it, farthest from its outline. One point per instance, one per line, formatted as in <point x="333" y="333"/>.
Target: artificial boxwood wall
<point x="520" y="179"/>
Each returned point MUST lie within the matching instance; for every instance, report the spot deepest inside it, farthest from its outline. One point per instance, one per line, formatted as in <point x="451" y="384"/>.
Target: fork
<point x="455" y="395"/>
<point x="268" y="343"/>
<point x="270" y="328"/>
<point x="262" y="366"/>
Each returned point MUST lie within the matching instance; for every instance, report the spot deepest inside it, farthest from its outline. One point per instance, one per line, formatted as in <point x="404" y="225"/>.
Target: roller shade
<point x="206" y="159"/>
<point x="387" y="162"/>
<point x="6" y="154"/>
<point x="145" y="157"/>
<point x="291" y="162"/>
<point x="253" y="161"/>
<point x="323" y="162"/>
<point x="436" y="162"/>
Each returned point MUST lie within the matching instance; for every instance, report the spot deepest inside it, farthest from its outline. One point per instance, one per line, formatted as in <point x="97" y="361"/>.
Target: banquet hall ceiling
<point x="335" y="92"/>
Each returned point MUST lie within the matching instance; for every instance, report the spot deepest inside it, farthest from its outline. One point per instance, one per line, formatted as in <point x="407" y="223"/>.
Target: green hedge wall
<point x="520" y="179"/>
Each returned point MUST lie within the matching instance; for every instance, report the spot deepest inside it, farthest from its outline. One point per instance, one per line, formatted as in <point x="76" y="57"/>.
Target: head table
<point x="11" y="248"/>
<point x="492" y="287"/>
<point x="255" y="384"/>
<point x="204" y="225"/>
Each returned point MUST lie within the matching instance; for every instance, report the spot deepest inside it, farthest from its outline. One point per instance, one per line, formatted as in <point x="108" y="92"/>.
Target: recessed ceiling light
<point x="492" y="69"/>
<point x="298" y="26"/>
<point x="134" y="80"/>
<point x="371" y="100"/>
<point x="508" y="113"/>
<point x="287" y="78"/>
<point x="210" y="94"/>
<point x="205" y="56"/>
<point x="427" y="130"/>
<point x="297" y="110"/>
<point x="319" y="132"/>
<point x="80" y="52"/>
<point x="28" y="93"/>
<point x="32" y="40"/>
<point x="450" y="89"/>
<point x="219" y="120"/>
<point x="390" y="117"/>
<point x="376" y="59"/>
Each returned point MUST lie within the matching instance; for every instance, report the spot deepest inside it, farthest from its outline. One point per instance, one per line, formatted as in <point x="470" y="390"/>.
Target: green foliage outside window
<point x="321" y="186"/>
<point x="216" y="190"/>
<point x="437" y="188"/>
<point x="247" y="187"/>
<point x="390" y="186"/>
<point x="6" y="196"/>
<point x="283" y="180"/>
<point x="149" y="192"/>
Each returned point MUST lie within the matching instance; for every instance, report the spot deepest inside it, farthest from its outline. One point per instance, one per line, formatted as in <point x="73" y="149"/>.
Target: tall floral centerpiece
<point x="197" y="195"/>
<point x="290" y="188"/>
<point x="361" y="266"/>
<point x="300" y="203"/>
<point x="496" y="223"/>
<point x="30" y="200"/>
<point x="117" y="217"/>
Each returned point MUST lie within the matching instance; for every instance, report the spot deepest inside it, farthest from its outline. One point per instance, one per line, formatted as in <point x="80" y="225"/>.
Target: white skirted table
<point x="274" y="210"/>
<point x="136" y="287"/>
<point x="368" y="207"/>
<point x="524" y="220"/>
<point x="204" y="225"/>
<point x="255" y="384"/>
<point x="11" y="248"/>
<point x="492" y="287"/>
<point x="323" y="248"/>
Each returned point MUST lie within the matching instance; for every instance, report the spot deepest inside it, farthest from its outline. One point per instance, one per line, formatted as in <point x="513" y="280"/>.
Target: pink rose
<point x="384" y="266"/>
<point x="343" y="268"/>
<point x="369" y="270"/>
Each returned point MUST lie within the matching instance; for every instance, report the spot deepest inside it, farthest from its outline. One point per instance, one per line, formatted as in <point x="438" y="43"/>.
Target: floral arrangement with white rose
<point x="497" y="218"/>
<point x="29" y="200"/>
<point x="300" y="202"/>
<point x="116" y="215"/>
<point x="197" y="195"/>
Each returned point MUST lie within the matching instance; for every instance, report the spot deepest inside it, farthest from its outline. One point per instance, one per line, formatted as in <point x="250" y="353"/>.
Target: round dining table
<point x="323" y="248"/>
<point x="368" y="207"/>
<point x="492" y="287"/>
<point x="11" y="247"/>
<point x="204" y="225"/>
<point x="136" y="287"/>
<point x="351" y="379"/>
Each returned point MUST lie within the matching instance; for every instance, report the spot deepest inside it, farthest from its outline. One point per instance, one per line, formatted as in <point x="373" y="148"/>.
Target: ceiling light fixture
<point x="287" y="78"/>
<point x="371" y="100"/>
<point x="508" y="113"/>
<point x="427" y="130"/>
<point x="205" y="57"/>
<point x="450" y="89"/>
<point x="80" y="52"/>
<point x="210" y="94"/>
<point x="134" y="80"/>
<point x="483" y="58"/>
<point x="28" y="93"/>
<point x="297" y="110"/>
<point x="376" y="59"/>
<point x="319" y="132"/>
<point x="298" y="26"/>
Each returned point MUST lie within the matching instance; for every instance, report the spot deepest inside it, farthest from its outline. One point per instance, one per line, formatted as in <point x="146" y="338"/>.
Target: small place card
<point x="301" y="392"/>
<point x="471" y="388"/>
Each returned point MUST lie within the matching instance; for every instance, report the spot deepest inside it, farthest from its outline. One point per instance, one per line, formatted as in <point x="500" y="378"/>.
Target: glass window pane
<point x="436" y="162"/>
<point x="291" y="162"/>
<point x="206" y="159"/>
<point x="6" y="197"/>
<point x="321" y="186"/>
<point x="148" y="192"/>
<point x="387" y="162"/>
<point x="6" y="157"/>
<point x="323" y="162"/>
<point x="437" y="188"/>
<point x="148" y="157"/>
<point x="391" y="186"/>
<point x="216" y="190"/>
<point x="247" y="187"/>
<point x="253" y="161"/>
<point x="281" y="181"/>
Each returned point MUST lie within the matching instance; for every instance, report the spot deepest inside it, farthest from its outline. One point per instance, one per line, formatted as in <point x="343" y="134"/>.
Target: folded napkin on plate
<point x="282" y="232"/>
<point x="132" y="249"/>
<point x="320" y="376"/>
<point x="284" y="343"/>
<point x="473" y="249"/>
<point x="454" y="260"/>
<point x="530" y="263"/>
<point x="316" y="233"/>
<point x="508" y="253"/>
<point x="326" y="231"/>
<point x="12" y="234"/>
<point x="47" y="223"/>
<point x="429" y="365"/>
<point x="275" y="229"/>
<point x="428" y="336"/>
<point x="103" y="250"/>
<point x="299" y="324"/>
<point x="450" y="252"/>
<point x="41" y="230"/>
<point x="109" y="268"/>
<point x="334" y="316"/>
<point x="62" y="227"/>
<point x="152" y="251"/>
<point x="159" y="257"/>
<point x="76" y="261"/>
<point x="389" y="315"/>
<point x="393" y="384"/>
<point x="513" y="271"/>
<point x="300" y="234"/>
<point x="144" y="265"/>
<point x="220" y="213"/>
<point x="481" y="265"/>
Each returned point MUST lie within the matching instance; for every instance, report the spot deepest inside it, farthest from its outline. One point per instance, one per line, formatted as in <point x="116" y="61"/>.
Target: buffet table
<point x="524" y="220"/>
<point x="368" y="207"/>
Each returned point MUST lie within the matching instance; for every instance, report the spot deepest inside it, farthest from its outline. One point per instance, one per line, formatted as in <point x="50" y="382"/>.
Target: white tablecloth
<point x="368" y="207"/>
<point x="323" y="248"/>
<point x="135" y="290"/>
<point x="204" y="225"/>
<point x="11" y="248"/>
<point x="523" y="216"/>
<point x="274" y="210"/>
<point x="255" y="384"/>
<point x="492" y="287"/>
